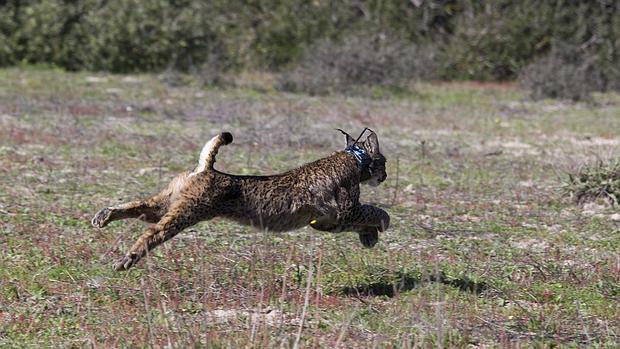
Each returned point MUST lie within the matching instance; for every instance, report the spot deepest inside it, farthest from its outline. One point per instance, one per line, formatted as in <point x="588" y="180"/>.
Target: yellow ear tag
<point x="313" y="222"/>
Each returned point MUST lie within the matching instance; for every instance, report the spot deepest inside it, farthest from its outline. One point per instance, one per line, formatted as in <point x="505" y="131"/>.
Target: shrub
<point x="119" y="36"/>
<point x="357" y="62"/>
<point x="494" y="40"/>
<point x="592" y="182"/>
<point x="484" y="40"/>
<point x="565" y="73"/>
<point x="129" y="35"/>
<point x="584" y="53"/>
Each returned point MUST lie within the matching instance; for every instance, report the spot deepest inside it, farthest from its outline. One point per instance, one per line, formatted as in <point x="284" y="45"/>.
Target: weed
<point x="600" y="180"/>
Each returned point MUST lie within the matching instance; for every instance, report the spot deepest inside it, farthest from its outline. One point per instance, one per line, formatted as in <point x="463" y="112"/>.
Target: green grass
<point x="484" y="248"/>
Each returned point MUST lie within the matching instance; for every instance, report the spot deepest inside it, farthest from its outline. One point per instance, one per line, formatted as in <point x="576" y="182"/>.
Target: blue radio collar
<point x="362" y="158"/>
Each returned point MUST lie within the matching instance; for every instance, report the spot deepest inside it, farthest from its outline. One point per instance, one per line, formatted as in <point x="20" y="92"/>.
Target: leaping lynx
<point x="323" y="194"/>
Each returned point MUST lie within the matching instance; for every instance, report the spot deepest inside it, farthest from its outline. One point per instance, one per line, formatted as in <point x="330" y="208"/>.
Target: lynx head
<point x="373" y="173"/>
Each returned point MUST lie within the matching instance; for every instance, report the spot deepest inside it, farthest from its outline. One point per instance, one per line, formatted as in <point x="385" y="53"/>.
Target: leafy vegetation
<point x="596" y="181"/>
<point x="491" y="41"/>
<point x="357" y="64"/>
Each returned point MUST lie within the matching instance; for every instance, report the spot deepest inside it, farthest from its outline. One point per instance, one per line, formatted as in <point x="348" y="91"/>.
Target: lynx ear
<point x="372" y="143"/>
<point x="349" y="140"/>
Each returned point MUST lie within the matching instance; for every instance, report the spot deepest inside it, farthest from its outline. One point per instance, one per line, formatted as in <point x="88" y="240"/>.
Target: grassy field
<point x="483" y="251"/>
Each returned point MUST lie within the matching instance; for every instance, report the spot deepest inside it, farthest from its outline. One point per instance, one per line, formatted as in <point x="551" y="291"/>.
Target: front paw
<point x="102" y="218"/>
<point x="126" y="262"/>
<point x="369" y="239"/>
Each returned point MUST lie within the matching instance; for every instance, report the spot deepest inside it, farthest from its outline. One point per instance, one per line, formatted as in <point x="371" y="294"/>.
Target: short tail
<point x="209" y="151"/>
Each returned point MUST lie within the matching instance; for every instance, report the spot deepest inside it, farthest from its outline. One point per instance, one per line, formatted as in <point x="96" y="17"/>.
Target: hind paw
<point x="126" y="262"/>
<point x="102" y="218"/>
<point x="369" y="239"/>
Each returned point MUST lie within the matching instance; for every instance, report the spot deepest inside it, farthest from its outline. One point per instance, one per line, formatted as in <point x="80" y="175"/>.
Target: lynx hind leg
<point x="149" y="210"/>
<point x="180" y="216"/>
<point x="101" y="218"/>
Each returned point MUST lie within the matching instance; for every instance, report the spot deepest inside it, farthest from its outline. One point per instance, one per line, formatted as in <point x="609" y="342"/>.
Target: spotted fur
<point x="324" y="192"/>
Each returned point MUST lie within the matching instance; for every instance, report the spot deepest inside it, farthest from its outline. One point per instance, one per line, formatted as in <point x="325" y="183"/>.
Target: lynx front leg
<point x="369" y="236"/>
<point x="369" y="216"/>
<point x="178" y="218"/>
<point x="367" y="220"/>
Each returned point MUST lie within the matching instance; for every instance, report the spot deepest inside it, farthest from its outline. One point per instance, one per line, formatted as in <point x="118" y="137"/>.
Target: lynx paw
<point x="126" y="262"/>
<point x="369" y="239"/>
<point x="102" y="218"/>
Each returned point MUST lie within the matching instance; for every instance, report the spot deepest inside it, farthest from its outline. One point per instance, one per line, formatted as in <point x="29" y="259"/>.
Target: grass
<point x="484" y="250"/>
<point x="595" y="181"/>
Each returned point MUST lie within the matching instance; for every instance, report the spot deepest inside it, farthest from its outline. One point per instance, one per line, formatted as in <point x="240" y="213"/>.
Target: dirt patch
<point x="269" y="317"/>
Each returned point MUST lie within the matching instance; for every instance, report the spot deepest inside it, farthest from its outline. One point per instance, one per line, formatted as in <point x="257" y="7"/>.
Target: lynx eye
<point x="378" y="162"/>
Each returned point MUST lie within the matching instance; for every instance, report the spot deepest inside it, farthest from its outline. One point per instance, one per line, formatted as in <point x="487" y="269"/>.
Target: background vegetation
<point x="466" y="39"/>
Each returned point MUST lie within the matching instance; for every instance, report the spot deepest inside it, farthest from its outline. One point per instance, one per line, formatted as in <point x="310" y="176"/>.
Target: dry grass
<point x="592" y="182"/>
<point x="484" y="249"/>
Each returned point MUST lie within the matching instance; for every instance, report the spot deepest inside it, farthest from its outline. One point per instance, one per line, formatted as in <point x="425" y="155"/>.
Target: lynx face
<point x="374" y="174"/>
<point x="376" y="170"/>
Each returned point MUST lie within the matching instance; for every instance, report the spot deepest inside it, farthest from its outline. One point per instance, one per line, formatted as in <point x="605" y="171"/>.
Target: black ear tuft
<point x="348" y="139"/>
<point x="227" y="137"/>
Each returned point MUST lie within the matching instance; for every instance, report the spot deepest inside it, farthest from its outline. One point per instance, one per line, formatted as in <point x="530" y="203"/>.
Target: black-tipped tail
<point x="227" y="137"/>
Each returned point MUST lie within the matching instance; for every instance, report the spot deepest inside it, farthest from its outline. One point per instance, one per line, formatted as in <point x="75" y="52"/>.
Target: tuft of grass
<point x="600" y="180"/>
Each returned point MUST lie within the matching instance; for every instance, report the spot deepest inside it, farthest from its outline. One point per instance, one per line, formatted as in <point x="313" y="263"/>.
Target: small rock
<point x="592" y="208"/>
<point x="131" y="79"/>
<point x="95" y="79"/>
<point x="147" y="170"/>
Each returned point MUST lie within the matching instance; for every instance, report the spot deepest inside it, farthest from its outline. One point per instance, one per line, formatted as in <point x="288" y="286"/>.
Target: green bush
<point x="129" y="35"/>
<point x="466" y="39"/>
<point x="119" y="36"/>
<point x="282" y="30"/>
<point x="584" y="53"/>
<point x="356" y="63"/>
<point x="494" y="40"/>
<point x="565" y="73"/>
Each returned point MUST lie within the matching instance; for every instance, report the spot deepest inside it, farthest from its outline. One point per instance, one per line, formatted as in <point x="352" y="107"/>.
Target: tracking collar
<point x="362" y="158"/>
